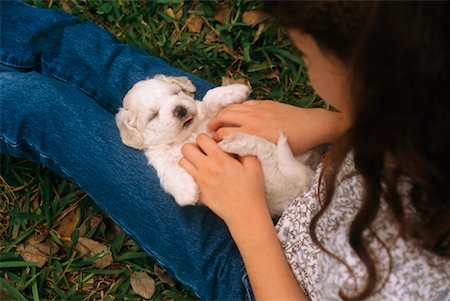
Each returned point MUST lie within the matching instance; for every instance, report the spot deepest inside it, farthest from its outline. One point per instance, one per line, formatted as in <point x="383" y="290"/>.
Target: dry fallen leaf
<point x="194" y="23"/>
<point x="253" y="17"/>
<point x="69" y="223"/>
<point x="211" y="37"/>
<point x="36" y="250"/>
<point x="221" y="13"/>
<point x="228" y="81"/>
<point x="179" y="14"/>
<point x="89" y="248"/>
<point x="66" y="6"/>
<point x="142" y="284"/>
<point x="161" y="273"/>
<point x="261" y="27"/>
<point x="272" y="74"/>
<point x="112" y="232"/>
<point x="31" y="253"/>
<point x="35" y="239"/>
<point x="93" y="222"/>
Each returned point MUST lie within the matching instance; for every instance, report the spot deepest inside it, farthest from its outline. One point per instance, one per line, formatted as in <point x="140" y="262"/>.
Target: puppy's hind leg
<point x="243" y="144"/>
<point x="289" y="165"/>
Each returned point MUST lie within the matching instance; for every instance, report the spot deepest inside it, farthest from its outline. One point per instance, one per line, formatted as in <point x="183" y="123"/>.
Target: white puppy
<point x="159" y="115"/>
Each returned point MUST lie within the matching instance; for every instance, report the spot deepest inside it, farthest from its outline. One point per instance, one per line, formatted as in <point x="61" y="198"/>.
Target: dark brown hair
<point x="398" y="55"/>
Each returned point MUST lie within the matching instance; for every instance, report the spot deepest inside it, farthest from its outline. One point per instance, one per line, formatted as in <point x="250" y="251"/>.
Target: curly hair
<point x="398" y="54"/>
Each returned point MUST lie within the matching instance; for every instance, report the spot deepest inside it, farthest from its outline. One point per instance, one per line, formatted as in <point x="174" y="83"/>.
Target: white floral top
<point x="415" y="275"/>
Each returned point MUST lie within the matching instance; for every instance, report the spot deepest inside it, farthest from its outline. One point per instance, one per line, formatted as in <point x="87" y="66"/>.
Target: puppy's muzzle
<point x="179" y="112"/>
<point x="183" y="115"/>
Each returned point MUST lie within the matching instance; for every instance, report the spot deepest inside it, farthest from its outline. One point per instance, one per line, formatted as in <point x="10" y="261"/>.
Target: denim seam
<point x="14" y="62"/>
<point x="247" y="285"/>
<point x="68" y="175"/>
<point x="22" y="141"/>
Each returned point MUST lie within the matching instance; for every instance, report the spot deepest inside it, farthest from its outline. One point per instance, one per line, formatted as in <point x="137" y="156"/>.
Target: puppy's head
<point x="158" y="111"/>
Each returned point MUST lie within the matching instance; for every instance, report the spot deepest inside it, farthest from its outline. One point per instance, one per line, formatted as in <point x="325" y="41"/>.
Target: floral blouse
<point x="415" y="274"/>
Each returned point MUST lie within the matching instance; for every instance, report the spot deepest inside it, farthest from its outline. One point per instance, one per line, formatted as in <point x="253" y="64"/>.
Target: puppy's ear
<point x="182" y="81"/>
<point x="126" y="122"/>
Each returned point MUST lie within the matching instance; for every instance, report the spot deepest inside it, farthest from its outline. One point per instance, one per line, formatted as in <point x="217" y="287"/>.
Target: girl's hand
<point x="304" y="128"/>
<point x="232" y="188"/>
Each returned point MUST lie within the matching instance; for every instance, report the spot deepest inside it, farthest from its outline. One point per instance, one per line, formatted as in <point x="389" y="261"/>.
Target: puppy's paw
<point x="220" y="97"/>
<point x="243" y="144"/>
<point x="187" y="192"/>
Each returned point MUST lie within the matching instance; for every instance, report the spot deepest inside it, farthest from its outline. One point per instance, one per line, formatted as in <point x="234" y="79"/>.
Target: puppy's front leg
<point x="180" y="185"/>
<point x="175" y="180"/>
<point x="220" y="97"/>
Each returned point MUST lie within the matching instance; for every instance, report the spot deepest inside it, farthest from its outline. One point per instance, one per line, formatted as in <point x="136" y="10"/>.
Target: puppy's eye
<point x="153" y="116"/>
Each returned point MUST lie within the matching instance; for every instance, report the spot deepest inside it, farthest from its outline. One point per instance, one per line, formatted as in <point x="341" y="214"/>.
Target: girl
<point x="375" y="223"/>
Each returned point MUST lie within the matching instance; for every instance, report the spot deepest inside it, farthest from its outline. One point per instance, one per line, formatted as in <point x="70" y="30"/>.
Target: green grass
<point x="36" y="201"/>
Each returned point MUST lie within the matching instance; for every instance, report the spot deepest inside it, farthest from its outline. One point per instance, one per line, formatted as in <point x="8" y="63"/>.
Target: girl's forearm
<point x="318" y="127"/>
<point x="269" y="272"/>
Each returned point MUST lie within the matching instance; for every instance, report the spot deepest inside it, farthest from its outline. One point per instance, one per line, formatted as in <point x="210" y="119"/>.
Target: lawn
<point x="51" y="232"/>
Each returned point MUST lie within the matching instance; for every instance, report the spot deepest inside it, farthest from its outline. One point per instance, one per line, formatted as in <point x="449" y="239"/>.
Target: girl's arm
<point x="269" y="273"/>
<point x="234" y="190"/>
<point x="304" y="128"/>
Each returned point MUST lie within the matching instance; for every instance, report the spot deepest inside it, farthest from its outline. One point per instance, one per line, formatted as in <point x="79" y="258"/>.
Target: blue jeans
<point x="62" y="80"/>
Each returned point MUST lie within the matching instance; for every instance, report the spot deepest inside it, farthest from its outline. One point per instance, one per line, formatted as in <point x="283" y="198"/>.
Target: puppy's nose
<point x="179" y="112"/>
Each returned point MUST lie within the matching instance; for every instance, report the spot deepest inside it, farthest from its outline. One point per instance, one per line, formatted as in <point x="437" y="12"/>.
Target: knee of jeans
<point x="24" y="22"/>
<point x="26" y="95"/>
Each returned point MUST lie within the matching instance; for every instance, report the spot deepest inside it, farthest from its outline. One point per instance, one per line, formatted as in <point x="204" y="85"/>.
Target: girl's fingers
<point x="208" y="145"/>
<point x="228" y="117"/>
<point x="193" y="154"/>
<point x="222" y="132"/>
<point x="188" y="166"/>
<point x="252" y="102"/>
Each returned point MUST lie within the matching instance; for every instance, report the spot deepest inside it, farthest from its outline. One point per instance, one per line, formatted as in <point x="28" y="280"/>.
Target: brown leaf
<point x="253" y="17"/>
<point x="36" y="250"/>
<point x="92" y="221"/>
<point x="179" y="14"/>
<point x="221" y="13"/>
<point x="258" y="33"/>
<point x="66" y="6"/>
<point x="228" y="81"/>
<point x="30" y="253"/>
<point x="112" y="232"/>
<point x="142" y="284"/>
<point x="89" y="248"/>
<point x="69" y="223"/>
<point x="35" y="239"/>
<point x="161" y="273"/>
<point x="272" y="74"/>
<point x="194" y="23"/>
<point x="211" y="37"/>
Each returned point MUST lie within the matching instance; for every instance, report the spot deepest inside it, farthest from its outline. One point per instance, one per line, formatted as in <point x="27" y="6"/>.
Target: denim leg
<point x="55" y="124"/>
<point x="82" y="54"/>
<point x="61" y="80"/>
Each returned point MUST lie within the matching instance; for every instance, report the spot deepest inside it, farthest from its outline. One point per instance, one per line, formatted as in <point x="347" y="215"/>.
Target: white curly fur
<point x="159" y="115"/>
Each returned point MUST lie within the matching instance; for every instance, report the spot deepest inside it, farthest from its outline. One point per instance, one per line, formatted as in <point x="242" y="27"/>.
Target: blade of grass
<point x="16" y="264"/>
<point x="12" y="291"/>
